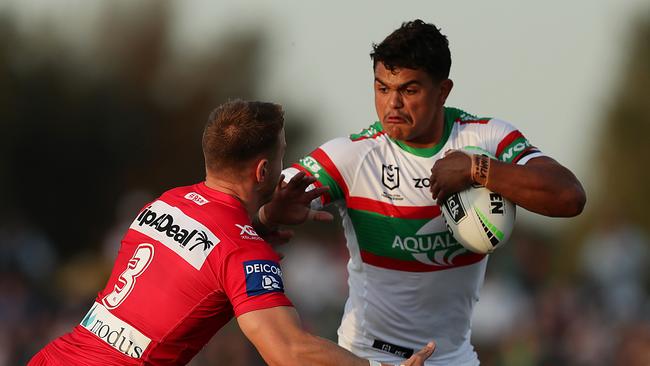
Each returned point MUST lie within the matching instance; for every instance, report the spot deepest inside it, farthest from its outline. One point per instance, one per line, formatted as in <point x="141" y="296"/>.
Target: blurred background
<point x="102" y="105"/>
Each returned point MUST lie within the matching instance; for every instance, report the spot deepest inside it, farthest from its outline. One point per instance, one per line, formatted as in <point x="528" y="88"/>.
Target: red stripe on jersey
<point x="512" y="136"/>
<point x="474" y="121"/>
<point x="370" y="137"/>
<point x="325" y="198"/>
<point x="331" y="169"/>
<point x="414" y="266"/>
<point x="386" y="209"/>
<point x="527" y="151"/>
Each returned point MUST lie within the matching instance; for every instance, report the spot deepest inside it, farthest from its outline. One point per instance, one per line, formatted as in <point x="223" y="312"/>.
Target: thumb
<point x="427" y="351"/>
<point x="316" y="215"/>
<point x="450" y="151"/>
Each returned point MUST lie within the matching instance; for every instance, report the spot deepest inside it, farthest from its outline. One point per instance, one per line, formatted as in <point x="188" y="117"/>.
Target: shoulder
<point x="371" y="132"/>
<point x="465" y="121"/>
<point x="215" y="219"/>
<point x="483" y="128"/>
<point x="354" y="146"/>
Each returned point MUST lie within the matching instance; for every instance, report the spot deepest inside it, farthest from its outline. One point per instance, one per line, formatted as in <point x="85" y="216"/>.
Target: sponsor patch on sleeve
<point x="262" y="277"/>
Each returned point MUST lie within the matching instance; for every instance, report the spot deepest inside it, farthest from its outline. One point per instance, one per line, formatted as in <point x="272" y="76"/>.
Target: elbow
<point x="572" y="201"/>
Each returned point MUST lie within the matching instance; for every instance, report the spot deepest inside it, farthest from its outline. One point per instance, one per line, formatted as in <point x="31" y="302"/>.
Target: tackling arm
<point x="290" y="205"/>
<point x="279" y="338"/>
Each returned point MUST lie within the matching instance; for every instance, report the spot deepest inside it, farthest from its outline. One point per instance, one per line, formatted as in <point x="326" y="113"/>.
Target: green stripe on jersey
<point x="396" y="238"/>
<point x="314" y="167"/>
<point x="512" y="151"/>
<point x="455" y="114"/>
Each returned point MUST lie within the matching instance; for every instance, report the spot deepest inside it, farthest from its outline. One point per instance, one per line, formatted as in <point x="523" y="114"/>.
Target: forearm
<point x="278" y="336"/>
<point x="313" y="350"/>
<point x="262" y="227"/>
<point x="544" y="187"/>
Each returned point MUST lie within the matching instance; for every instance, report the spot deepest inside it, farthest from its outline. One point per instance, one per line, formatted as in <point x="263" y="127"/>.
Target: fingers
<point x="315" y="193"/>
<point x="442" y="196"/>
<point x="435" y="190"/>
<point x="297" y="177"/>
<point x="300" y="181"/>
<point x="427" y="351"/>
<point x="421" y="356"/>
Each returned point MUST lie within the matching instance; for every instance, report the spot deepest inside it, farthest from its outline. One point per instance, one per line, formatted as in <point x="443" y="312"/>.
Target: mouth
<point x="395" y="119"/>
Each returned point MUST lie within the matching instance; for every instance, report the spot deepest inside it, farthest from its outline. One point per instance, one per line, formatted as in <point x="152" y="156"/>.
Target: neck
<point x="237" y="188"/>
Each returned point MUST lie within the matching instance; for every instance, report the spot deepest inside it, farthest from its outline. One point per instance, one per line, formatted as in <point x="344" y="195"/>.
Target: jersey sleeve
<point x="329" y="170"/>
<point x="252" y="279"/>
<point x="509" y="145"/>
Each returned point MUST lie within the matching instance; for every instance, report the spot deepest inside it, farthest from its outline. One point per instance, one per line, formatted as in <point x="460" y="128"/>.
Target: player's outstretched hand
<point x="450" y="174"/>
<point x="291" y="203"/>
<point x="419" y="357"/>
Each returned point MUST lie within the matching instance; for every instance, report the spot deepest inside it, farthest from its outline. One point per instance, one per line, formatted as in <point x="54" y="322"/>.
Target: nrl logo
<point x="390" y="176"/>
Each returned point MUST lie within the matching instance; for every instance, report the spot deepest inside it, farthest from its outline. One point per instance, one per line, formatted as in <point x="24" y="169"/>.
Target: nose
<point x="395" y="100"/>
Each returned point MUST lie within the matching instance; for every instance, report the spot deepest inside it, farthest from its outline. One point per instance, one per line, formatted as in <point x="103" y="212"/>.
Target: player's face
<point x="409" y="104"/>
<point x="274" y="168"/>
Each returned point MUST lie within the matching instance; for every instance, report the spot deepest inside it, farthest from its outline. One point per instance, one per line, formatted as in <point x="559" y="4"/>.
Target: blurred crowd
<point x="534" y="308"/>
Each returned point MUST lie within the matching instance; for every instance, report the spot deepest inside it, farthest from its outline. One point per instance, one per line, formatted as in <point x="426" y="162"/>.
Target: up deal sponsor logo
<point x="115" y="332"/>
<point x="262" y="276"/>
<point x="177" y="231"/>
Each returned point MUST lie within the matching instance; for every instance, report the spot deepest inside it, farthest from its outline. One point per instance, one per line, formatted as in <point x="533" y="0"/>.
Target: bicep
<point x="542" y="160"/>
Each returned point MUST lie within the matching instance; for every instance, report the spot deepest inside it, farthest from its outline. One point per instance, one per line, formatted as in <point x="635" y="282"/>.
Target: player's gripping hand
<point x="450" y="174"/>
<point x="290" y="204"/>
<point x="419" y="357"/>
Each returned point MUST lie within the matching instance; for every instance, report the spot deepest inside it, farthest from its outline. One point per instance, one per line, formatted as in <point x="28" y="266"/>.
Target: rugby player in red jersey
<point x="191" y="261"/>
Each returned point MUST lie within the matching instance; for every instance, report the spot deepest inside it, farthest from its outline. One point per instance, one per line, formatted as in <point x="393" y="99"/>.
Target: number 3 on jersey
<point x="125" y="283"/>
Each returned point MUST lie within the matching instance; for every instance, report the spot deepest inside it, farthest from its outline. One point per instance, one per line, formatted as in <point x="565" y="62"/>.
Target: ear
<point x="445" y="88"/>
<point x="261" y="170"/>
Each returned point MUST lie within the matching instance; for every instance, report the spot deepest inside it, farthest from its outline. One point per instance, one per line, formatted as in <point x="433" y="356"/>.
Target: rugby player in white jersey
<point x="409" y="280"/>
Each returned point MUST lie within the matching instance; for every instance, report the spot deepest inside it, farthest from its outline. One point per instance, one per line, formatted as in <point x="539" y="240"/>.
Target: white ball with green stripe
<point x="478" y="218"/>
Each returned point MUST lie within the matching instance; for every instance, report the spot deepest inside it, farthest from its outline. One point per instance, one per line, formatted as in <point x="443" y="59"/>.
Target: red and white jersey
<point x="410" y="280"/>
<point x="189" y="262"/>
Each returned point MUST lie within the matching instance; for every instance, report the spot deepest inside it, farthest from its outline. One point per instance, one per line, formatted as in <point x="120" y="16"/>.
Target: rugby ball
<point x="479" y="219"/>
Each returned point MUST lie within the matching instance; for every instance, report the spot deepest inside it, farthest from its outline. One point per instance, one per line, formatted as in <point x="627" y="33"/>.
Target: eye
<point x="382" y="89"/>
<point x="410" y="91"/>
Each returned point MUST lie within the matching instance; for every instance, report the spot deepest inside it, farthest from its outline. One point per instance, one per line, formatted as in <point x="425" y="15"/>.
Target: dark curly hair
<point x="415" y="45"/>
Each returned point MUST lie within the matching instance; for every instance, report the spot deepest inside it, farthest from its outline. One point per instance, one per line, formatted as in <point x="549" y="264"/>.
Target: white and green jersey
<point x="410" y="281"/>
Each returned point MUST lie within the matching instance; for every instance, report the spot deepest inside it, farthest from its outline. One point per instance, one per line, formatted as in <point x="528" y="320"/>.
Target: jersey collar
<point x="216" y="195"/>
